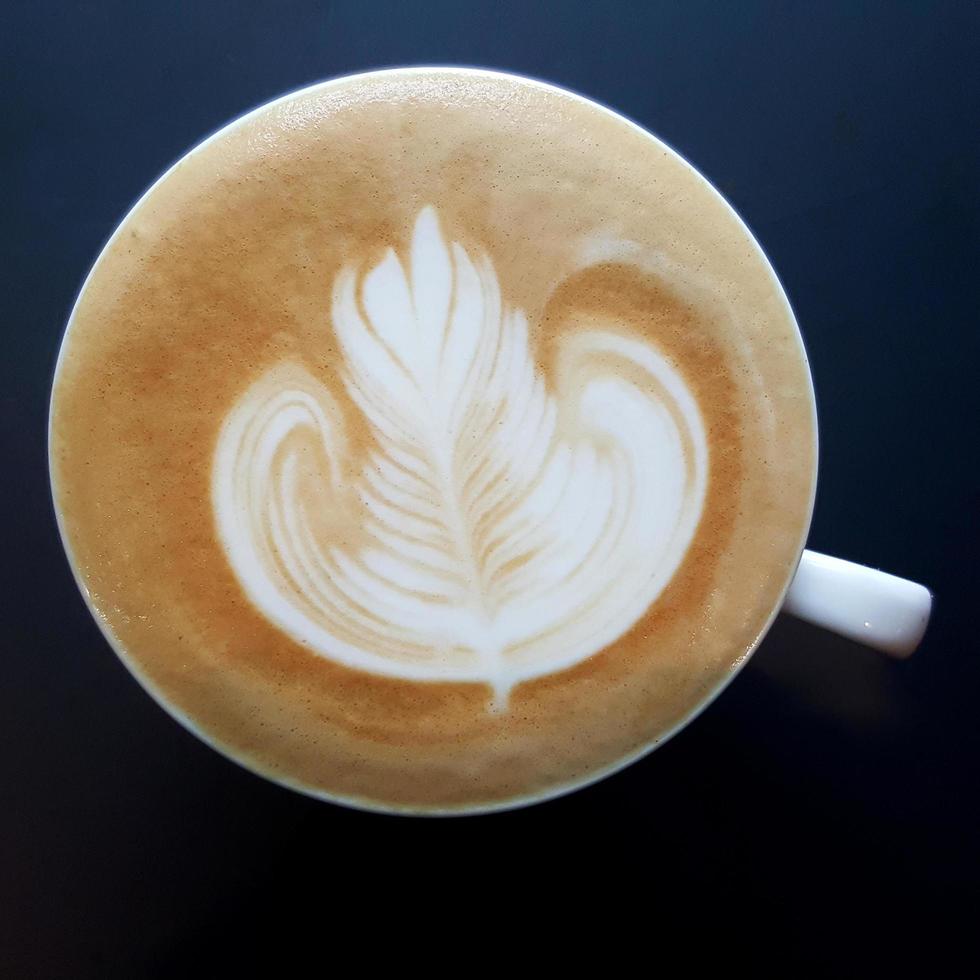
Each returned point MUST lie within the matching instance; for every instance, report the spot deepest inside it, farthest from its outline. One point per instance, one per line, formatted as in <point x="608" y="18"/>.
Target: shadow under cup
<point x="441" y="471"/>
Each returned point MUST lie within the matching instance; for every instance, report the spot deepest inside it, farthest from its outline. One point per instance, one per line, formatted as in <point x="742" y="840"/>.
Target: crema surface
<point x="432" y="440"/>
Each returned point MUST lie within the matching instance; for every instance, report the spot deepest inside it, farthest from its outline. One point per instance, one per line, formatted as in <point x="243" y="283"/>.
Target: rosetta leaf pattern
<point x="510" y="527"/>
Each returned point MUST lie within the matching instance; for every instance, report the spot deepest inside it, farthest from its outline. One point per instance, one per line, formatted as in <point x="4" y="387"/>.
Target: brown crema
<point x="226" y="267"/>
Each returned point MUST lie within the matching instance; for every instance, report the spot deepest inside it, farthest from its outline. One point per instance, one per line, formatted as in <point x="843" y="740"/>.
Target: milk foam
<point x="511" y="528"/>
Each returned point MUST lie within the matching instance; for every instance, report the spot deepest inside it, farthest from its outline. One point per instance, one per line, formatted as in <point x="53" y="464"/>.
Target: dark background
<point x="822" y="817"/>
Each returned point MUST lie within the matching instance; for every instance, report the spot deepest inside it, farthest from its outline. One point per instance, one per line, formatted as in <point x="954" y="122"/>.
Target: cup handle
<point x="879" y="610"/>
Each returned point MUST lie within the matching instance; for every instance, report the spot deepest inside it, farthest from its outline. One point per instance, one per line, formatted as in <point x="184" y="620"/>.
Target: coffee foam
<point x="506" y="532"/>
<point x="219" y="377"/>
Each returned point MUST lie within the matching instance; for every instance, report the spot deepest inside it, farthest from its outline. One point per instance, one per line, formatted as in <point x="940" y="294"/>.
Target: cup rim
<point x="368" y="805"/>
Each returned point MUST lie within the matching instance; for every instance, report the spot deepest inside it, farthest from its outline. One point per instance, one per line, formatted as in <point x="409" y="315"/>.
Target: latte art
<point x="432" y="440"/>
<point x="512" y="524"/>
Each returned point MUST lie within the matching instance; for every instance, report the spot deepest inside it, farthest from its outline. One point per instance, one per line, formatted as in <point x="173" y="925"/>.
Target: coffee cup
<point x="437" y="441"/>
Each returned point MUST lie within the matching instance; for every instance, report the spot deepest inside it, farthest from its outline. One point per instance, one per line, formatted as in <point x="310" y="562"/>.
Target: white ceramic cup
<point x="876" y="609"/>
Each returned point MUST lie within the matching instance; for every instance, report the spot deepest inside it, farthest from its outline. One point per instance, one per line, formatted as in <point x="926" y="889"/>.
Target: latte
<point x="432" y="440"/>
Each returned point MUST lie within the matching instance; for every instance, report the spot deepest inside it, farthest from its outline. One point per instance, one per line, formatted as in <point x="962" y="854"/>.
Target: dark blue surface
<point x="823" y="814"/>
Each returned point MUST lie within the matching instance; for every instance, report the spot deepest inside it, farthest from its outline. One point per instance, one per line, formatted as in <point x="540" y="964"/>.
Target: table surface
<point x="826" y="807"/>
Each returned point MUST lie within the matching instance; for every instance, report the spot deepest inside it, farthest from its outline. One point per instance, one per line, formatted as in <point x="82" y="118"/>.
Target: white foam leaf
<point x="509" y="530"/>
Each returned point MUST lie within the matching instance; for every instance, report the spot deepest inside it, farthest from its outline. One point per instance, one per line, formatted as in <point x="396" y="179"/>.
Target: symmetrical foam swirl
<point x="496" y="528"/>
